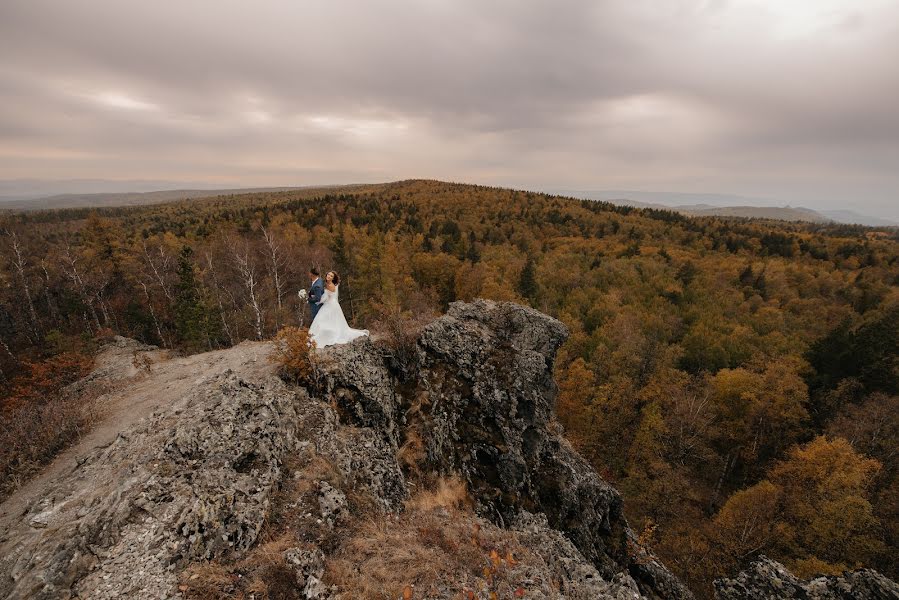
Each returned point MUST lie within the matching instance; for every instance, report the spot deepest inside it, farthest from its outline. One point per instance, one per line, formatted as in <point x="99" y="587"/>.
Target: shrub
<point x="293" y="355"/>
<point x="40" y="417"/>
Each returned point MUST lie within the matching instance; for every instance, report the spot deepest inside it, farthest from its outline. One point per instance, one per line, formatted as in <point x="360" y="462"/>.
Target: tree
<point x="527" y="281"/>
<point x="248" y="277"/>
<point x="20" y="266"/>
<point x="576" y="390"/>
<point x="276" y="264"/>
<point x="812" y="511"/>
<point x="190" y="315"/>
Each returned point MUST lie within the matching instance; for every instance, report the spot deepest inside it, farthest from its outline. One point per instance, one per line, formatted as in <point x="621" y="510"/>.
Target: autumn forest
<point x="736" y="380"/>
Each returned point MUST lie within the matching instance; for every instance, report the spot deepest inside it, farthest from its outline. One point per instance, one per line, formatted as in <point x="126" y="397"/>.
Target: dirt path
<point x="136" y="392"/>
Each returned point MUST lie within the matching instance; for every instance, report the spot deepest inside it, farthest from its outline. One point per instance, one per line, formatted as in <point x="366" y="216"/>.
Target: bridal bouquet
<point x="302" y="294"/>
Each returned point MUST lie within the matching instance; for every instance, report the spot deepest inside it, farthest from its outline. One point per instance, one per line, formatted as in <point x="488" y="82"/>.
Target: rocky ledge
<point x="323" y="490"/>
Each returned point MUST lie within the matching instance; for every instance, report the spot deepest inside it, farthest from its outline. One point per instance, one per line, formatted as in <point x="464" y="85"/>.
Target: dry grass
<point x="40" y="417"/>
<point x="449" y="493"/>
<point x="262" y="574"/>
<point x="208" y="581"/>
<point x="436" y="548"/>
<point x="412" y="453"/>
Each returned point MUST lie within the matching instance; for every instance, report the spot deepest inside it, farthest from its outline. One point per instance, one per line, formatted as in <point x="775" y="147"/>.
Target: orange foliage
<point x="293" y="354"/>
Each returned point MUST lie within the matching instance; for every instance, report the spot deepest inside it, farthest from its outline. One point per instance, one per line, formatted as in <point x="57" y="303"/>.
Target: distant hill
<point x="129" y="198"/>
<point x="785" y="213"/>
<point x="727" y="205"/>
<point x="850" y="216"/>
<point x="27" y="195"/>
<point x="29" y="189"/>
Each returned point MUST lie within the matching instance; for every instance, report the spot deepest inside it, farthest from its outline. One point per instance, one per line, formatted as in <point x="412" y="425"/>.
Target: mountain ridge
<point x="699" y="204"/>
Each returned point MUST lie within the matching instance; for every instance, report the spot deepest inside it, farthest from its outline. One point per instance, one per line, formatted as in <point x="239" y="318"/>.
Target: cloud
<point x="757" y="97"/>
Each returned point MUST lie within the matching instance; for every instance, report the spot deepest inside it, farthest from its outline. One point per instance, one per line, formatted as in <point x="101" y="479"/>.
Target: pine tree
<point x="527" y="282"/>
<point x="472" y="255"/>
<point x="189" y="313"/>
<point x="341" y="257"/>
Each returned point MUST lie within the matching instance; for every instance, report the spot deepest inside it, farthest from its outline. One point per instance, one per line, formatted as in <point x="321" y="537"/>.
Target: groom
<point x="315" y="291"/>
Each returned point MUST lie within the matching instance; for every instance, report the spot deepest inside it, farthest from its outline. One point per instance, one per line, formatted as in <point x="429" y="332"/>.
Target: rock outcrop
<point x="193" y="482"/>
<point x="768" y="579"/>
<point x="206" y="479"/>
<point x="481" y="403"/>
<point x="190" y="484"/>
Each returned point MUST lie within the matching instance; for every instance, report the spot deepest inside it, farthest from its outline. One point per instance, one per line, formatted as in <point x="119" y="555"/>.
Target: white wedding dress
<point x="329" y="326"/>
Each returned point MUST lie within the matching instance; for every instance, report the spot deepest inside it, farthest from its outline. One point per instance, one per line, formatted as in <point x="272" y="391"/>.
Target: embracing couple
<point x="328" y="326"/>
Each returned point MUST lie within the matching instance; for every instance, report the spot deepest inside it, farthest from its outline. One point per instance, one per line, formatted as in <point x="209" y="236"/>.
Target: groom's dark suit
<point x="315" y="295"/>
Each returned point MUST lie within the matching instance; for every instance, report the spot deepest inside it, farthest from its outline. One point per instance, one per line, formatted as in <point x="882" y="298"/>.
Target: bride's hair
<point x="335" y="278"/>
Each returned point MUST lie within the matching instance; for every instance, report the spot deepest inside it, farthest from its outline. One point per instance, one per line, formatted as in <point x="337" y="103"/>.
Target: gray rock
<point x="483" y="401"/>
<point x="309" y="566"/>
<point x="578" y="578"/>
<point x="768" y="579"/>
<point x="351" y="368"/>
<point x="175" y="489"/>
<point x="332" y="503"/>
<point x="193" y="483"/>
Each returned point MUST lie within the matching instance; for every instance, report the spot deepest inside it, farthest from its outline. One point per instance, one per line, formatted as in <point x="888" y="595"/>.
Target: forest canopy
<point x="735" y="379"/>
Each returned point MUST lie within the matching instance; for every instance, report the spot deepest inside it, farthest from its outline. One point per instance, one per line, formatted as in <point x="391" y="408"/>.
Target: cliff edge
<point x="447" y="477"/>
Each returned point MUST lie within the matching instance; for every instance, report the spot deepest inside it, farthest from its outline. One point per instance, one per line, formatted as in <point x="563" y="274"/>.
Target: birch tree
<point x="18" y="261"/>
<point x="246" y="271"/>
<point x="276" y="262"/>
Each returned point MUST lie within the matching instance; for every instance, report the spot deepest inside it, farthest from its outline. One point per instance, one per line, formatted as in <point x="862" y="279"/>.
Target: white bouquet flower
<point x="302" y="294"/>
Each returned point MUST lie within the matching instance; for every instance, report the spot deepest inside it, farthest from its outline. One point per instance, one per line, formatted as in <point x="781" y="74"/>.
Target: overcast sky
<point x="793" y="100"/>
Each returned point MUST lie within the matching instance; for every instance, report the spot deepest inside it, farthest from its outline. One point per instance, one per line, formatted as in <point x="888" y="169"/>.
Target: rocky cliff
<point x="480" y="403"/>
<point x="444" y="478"/>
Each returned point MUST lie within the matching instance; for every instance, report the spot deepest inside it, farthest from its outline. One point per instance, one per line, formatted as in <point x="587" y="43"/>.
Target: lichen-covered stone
<point x="192" y="483"/>
<point x="332" y="503"/>
<point x="767" y="579"/>
<point x="309" y="566"/>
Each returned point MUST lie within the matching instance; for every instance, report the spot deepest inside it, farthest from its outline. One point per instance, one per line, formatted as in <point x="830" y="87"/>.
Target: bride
<point x="329" y="326"/>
